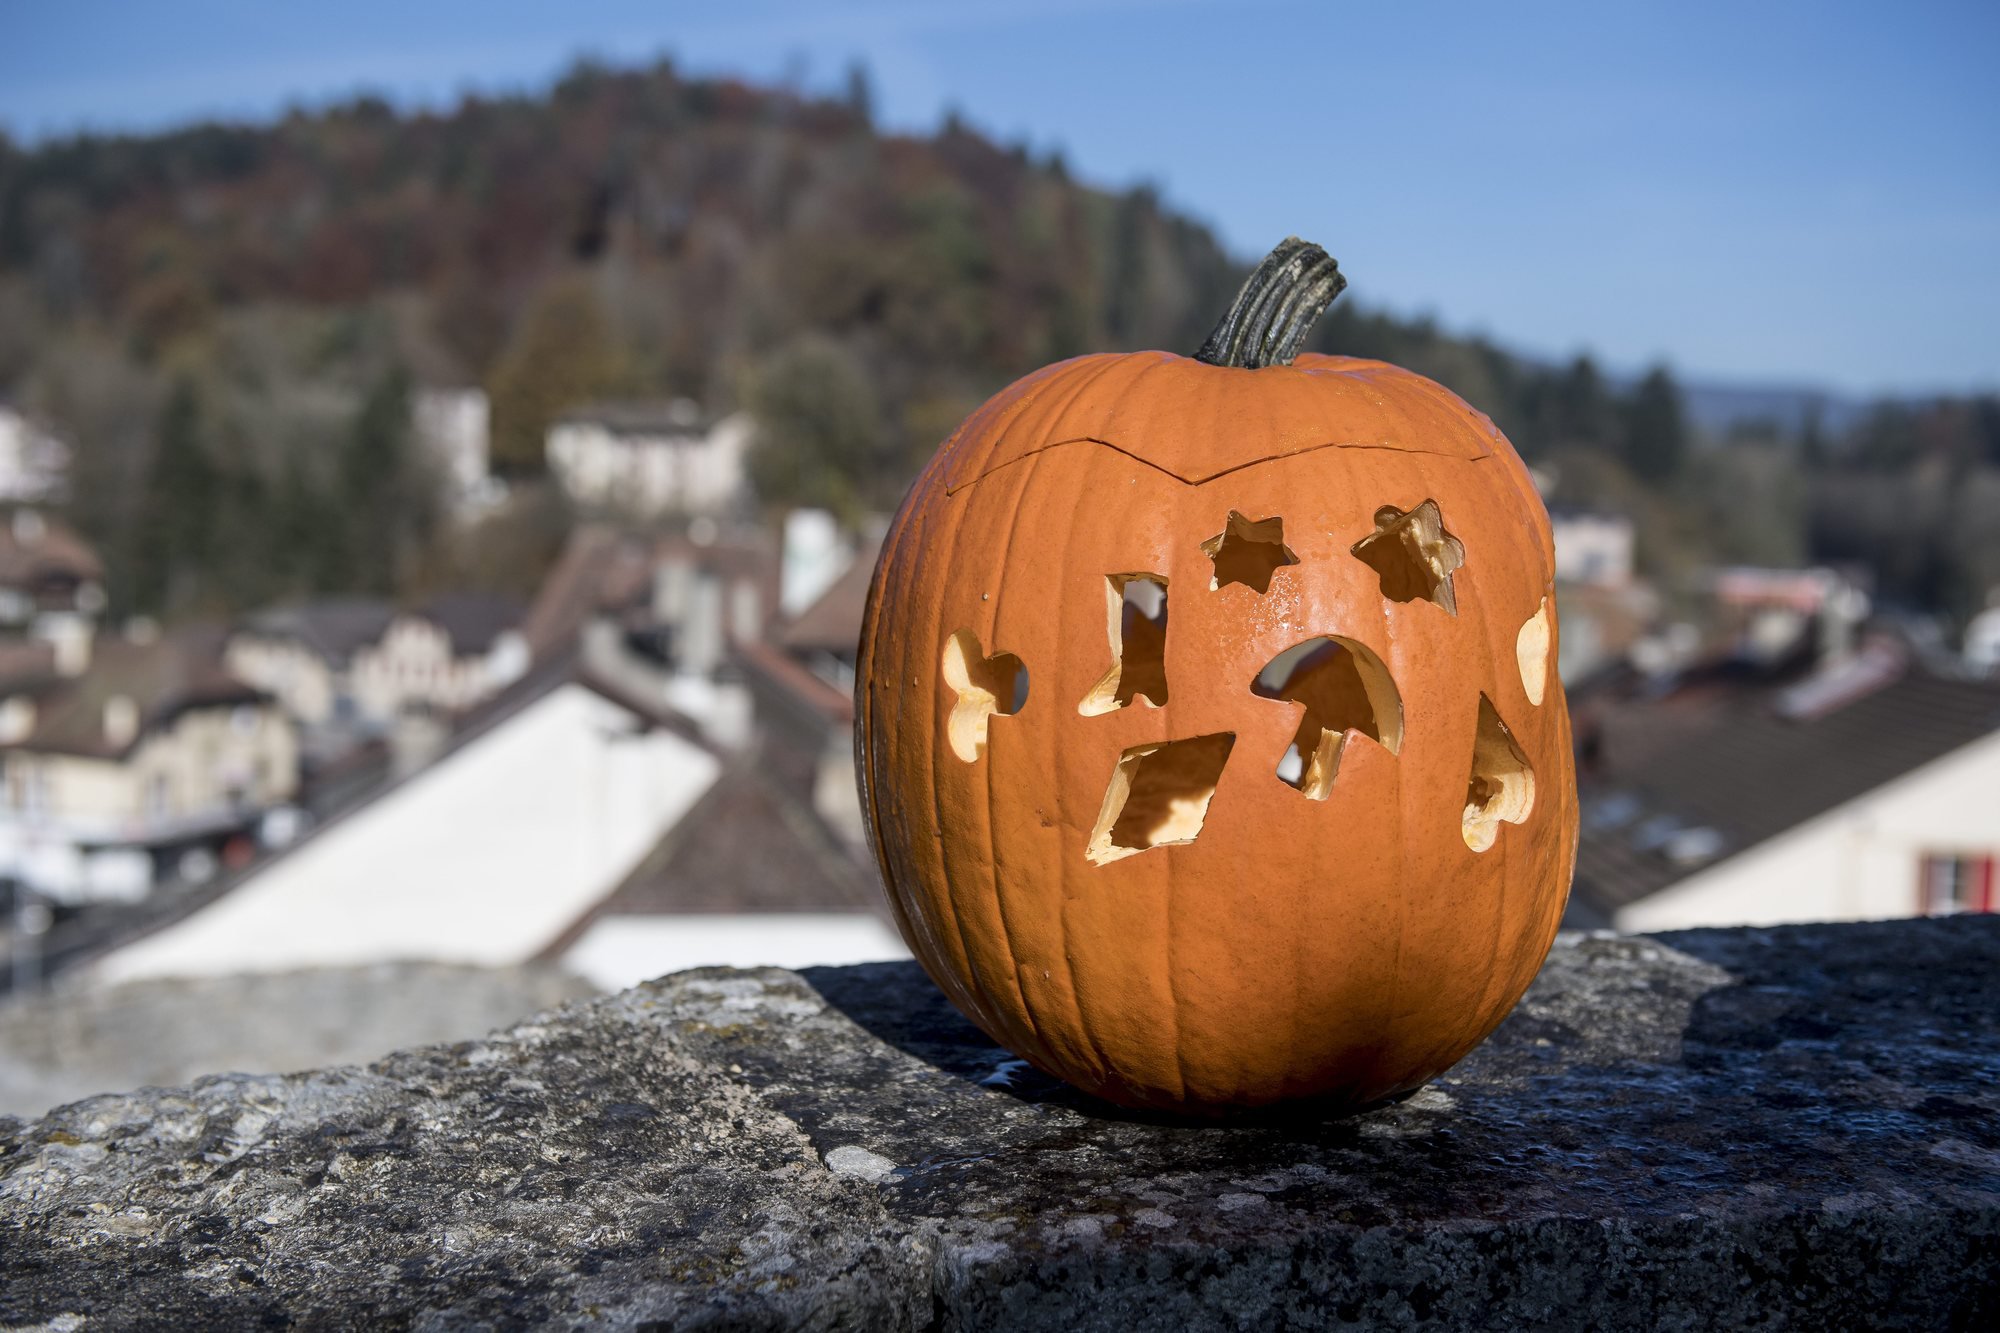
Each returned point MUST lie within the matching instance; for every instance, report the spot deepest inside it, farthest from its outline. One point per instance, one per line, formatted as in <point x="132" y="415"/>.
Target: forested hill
<point x="221" y="319"/>
<point x="703" y="224"/>
<point x="684" y="230"/>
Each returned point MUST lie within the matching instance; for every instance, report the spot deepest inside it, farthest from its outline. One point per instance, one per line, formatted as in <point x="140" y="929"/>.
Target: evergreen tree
<point x="308" y="552"/>
<point x="1655" y="434"/>
<point x="1583" y="409"/>
<point x="175" y="525"/>
<point x="386" y="494"/>
<point x="860" y="95"/>
<point x="1812" y="439"/>
<point x="562" y="355"/>
<point x="239" y="570"/>
<point x="819" y="428"/>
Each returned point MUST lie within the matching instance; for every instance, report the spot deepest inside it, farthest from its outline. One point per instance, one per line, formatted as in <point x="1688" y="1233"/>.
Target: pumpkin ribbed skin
<point x="1344" y="949"/>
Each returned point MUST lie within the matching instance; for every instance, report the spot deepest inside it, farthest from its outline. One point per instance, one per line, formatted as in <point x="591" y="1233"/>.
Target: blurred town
<point x="434" y="546"/>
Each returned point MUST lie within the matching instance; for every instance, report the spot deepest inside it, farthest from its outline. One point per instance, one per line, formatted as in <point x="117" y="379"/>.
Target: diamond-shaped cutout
<point x="1158" y="796"/>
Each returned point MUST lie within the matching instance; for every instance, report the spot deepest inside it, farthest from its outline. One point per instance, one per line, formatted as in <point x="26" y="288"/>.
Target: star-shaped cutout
<point x="1413" y="554"/>
<point x="1248" y="551"/>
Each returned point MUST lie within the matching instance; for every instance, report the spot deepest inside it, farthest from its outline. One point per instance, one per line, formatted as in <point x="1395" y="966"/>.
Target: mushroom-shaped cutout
<point x="1346" y="690"/>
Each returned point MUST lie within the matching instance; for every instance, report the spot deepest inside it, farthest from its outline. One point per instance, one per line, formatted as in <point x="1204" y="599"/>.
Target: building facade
<point x="448" y="655"/>
<point x="1867" y="789"/>
<point x="1593" y="548"/>
<point x="650" y="459"/>
<point x="304" y="655"/>
<point x="453" y="427"/>
<point x="108" y="777"/>
<point x="34" y="464"/>
<point x="1923" y="844"/>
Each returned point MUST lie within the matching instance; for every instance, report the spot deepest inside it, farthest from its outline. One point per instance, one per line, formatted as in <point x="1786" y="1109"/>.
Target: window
<point x="1949" y="884"/>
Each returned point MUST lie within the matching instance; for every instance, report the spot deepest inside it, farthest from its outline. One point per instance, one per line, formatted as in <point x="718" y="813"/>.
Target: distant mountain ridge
<point x="1717" y="407"/>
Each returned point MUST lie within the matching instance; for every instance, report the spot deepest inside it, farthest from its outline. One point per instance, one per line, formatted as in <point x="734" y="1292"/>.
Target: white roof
<point x="484" y="858"/>
<point x="616" y="952"/>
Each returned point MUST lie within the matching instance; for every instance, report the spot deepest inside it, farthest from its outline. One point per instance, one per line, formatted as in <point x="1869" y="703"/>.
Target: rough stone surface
<point x="1781" y="1128"/>
<point x="75" y="1040"/>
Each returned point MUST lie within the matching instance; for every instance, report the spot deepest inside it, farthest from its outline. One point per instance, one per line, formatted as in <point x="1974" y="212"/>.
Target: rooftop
<point x="162" y="677"/>
<point x="833" y="622"/>
<point x="598" y="570"/>
<point x="1671" y="785"/>
<point x="749" y="845"/>
<point x="473" y="621"/>
<point x="331" y="627"/>
<point x="35" y="548"/>
<point x="664" y="416"/>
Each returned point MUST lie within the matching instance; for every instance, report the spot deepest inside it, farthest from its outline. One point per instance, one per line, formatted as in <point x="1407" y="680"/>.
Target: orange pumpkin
<point x="1207" y="723"/>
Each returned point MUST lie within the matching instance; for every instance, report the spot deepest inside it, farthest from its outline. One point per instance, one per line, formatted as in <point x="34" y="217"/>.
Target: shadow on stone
<point x="898" y="1005"/>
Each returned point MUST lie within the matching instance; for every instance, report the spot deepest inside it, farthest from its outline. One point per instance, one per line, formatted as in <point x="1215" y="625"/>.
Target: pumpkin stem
<point x="1277" y="307"/>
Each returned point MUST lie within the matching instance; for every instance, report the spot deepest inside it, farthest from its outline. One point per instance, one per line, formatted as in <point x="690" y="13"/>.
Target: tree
<point x="562" y="355"/>
<point x="860" y="95"/>
<point x="819" y="428"/>
<point x="175" y="525"/>
<point x="1812" y="438"/>
<point x="1583" y="410"/>
<point x="385" y="493"/>
<point x="307" y="538"/>
<point x="1655" y="432"/>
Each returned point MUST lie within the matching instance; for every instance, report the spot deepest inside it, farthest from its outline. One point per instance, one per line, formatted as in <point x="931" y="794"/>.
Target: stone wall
<point x="81" y="1038"/>
<point x="1791" y="1127"/>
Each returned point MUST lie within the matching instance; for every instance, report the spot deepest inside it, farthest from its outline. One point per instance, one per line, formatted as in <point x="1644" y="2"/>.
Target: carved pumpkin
<point x="1206" y="720"/>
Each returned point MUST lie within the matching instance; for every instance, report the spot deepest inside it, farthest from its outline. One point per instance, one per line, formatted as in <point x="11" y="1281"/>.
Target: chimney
<point x="70" y="636"/>
<point x="813" y="556"/>
<point x="699" y="641"/>
<point x="121" y="720"/>
<point x="416" y="738"/>
<point x="17" y="719"/>
<point x="1841" y="613"/>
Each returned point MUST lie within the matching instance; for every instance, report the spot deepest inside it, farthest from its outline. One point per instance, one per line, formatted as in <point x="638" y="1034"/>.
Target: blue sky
<point x="1752" y="191"/>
